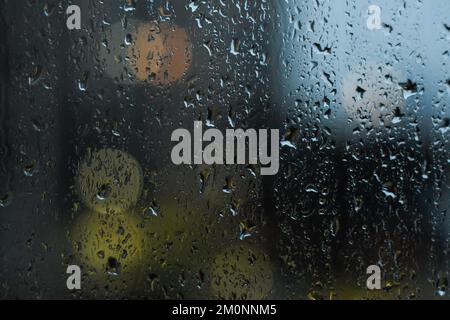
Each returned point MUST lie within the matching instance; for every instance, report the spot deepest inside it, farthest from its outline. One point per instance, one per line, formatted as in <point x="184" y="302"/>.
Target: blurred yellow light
<point x="242" y="272"/>
<point x="110" y="249"/>
<point x="109" y="180"/>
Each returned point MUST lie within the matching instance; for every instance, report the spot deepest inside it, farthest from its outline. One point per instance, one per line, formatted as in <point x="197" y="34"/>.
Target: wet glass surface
<point x="361" y="98"/>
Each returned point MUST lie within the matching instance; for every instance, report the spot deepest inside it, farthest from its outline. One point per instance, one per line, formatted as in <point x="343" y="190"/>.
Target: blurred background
<point x="86" y="177"/>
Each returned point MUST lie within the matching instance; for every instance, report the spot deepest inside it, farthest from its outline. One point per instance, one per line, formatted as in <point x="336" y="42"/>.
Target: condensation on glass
<point x="86" y="118"/>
